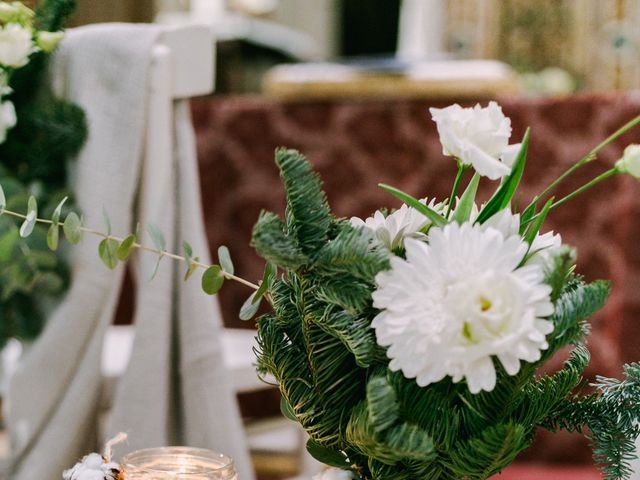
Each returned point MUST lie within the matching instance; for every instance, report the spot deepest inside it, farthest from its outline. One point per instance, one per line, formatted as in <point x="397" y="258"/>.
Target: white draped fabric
<point x="176" y="389"/>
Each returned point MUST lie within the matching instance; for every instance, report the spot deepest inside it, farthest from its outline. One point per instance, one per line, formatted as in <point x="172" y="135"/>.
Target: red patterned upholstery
<point x="357" y="144"/>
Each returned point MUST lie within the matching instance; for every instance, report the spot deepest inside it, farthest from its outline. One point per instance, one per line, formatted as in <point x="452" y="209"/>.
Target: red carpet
<point x="539" y="472"/>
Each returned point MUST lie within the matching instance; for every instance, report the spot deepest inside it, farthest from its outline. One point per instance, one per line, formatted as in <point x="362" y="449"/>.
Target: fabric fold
<point x="176" y="389"/>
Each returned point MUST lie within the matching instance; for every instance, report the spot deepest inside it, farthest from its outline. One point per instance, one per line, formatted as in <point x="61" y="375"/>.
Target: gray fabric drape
<point x="175" y="390"/>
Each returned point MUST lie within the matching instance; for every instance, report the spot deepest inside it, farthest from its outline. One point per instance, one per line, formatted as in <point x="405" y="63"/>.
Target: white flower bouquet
<point x="407" y="344"/>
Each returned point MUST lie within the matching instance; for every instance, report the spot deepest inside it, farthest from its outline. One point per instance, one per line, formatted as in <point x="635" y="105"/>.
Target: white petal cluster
<point x="334" y="474"/>
<point x="460" y="301"/>
<point x="93" y="467"/>
<point x="477" y="136"/>
<point x="7" y="119"/>
<point x="16" y="45"/>
<point x="406" y="222"/>
<point x="544" y="248"/>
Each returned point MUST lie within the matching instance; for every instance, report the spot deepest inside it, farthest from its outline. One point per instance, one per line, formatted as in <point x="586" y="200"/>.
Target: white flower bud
<point x="16" y="12"/>
<point x="15" y="45"/>
<point x="7" y="119"/>
<point x="7" y="12"/>
<point x="48" y="41"/>
<point x="630" y="161"/>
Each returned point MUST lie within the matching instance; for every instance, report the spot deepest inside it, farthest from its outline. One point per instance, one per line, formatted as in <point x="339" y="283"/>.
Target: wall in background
<point x="96" y="11"/>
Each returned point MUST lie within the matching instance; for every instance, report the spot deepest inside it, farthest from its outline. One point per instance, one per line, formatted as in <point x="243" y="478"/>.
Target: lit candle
<point x="178" y="463"/>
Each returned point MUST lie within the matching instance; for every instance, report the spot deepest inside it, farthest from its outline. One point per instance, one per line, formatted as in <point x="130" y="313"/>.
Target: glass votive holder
<point x="178" y="463"/>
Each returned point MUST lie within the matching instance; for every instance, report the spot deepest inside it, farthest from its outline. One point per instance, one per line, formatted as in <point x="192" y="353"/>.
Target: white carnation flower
<point x="93" y="467"/>
<point x="461" y="300"/>
<point x="15" y="45"/>
<point x="477" y="136"/>
<point x="406" y="222"/>
<point x="7" y="119"/>
<point x="544" y="248"/>
<point x="334" y="474"/>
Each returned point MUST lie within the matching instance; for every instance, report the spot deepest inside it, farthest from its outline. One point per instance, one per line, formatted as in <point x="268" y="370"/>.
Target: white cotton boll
<point x="93" y="467"/>
<point x="334" y="474"/>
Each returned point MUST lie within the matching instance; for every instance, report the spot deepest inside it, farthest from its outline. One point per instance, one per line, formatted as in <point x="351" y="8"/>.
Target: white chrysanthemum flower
<point x="16" y="45"/>
<point x="405" y="222"/>
<point x="544" y="248"/>
<point x="477" y="136"/>
<point x="8" y="119"/>
<point x="334" y="474"/>
<point x="459" y="301"/>
<point x="93" y="467"/>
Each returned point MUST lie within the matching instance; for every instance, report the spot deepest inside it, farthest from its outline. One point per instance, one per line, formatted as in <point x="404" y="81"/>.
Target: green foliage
<point x="224" y="257"/>
<point x="467" y="200"/>
<point x="107" y="250"/>
<point x="30" y="274"/>
<point x="507" y="190"/>
<point x="212" y="280"/>
<point x="319" y="345"/>
<point x="34" y="156"/>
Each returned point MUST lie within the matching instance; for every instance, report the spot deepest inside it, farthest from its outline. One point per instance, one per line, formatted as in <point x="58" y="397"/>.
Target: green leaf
<point x="269" y="271"/>
<point x="71" y="228"/>
<point x="156" y="268"/>
<point x="526" y="216"/>
<point x="107" y="250"/>
<point x="535" y="227"/>
<point x="431" y="214"/>
<point x="188" y="251"/>
<point x="32" y="216"/>
<point x="27" y="226"/>
<point x="55" y="218"/>
<point x="212" y="280"/>
<point x="126" y="247"/>
<point x="224" y="257"/>
<point x="250" y="307"/>
<point x="465" y="206"/>
<point x="3" y="200"/>
<point x="328" y="456"/>
<point x="53" y="235"/>
<point x="504" y="194"/>
<point x="107" y="220"/>
<point x="287" y="409"/>
<point x="191" y="268"/>
<point x="157" y="237"/>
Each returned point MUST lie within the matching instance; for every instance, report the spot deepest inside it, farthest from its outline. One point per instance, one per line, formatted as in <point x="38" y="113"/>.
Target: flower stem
<point x="589" y="156"/>
<point x="139" y="246"/>
<point x="586" y="186"/>
<point x="462" y="168"/>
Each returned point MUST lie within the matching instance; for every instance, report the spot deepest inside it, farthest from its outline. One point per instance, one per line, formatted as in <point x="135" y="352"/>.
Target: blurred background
<point x="553" y="45"/>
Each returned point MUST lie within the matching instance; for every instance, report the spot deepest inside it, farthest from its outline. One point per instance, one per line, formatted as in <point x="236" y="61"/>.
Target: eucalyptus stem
<point x="139" y="246"/>
<point x="456" y="186"/>
<point x="588" y="157"/>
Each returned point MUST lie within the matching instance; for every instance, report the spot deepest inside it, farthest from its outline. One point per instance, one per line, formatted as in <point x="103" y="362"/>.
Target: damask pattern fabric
<point x="357" y="144"/>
